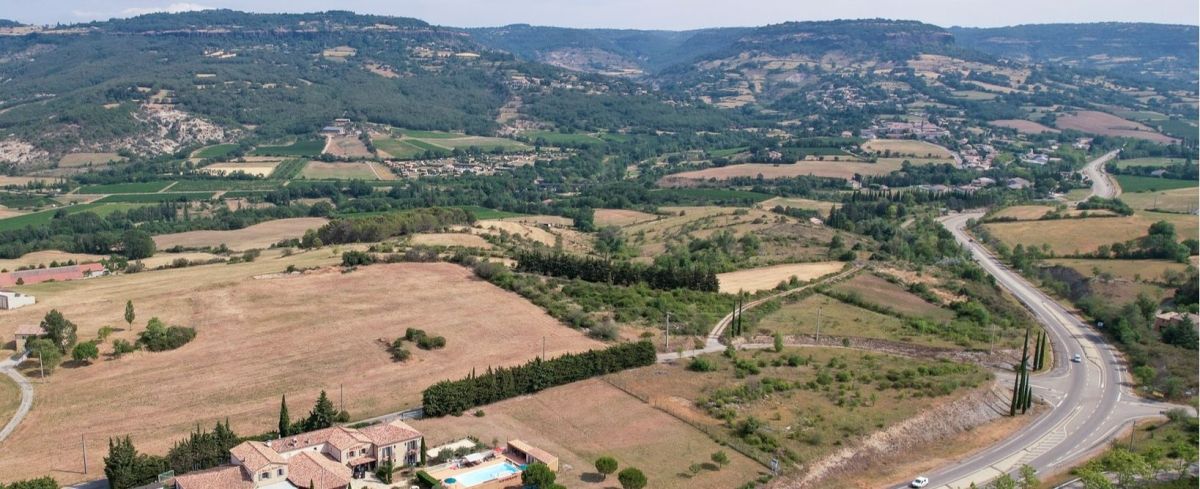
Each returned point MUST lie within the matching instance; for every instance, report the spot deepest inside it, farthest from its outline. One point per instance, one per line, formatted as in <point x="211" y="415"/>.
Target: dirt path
<point x="168" y="187"/>
<point x="8" y="367"/>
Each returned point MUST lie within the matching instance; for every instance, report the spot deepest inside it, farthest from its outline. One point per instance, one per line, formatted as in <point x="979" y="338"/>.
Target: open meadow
<point x="72" y="160"/>
<point x="838" y="318"/>
<point x="621" y="217"/>
<point x="1105" y="124"/>
<point x="45" y="257"/>
<point x="1067" y="236"/>
<point x="906" y="147"/>
<point x="1130" y="270"/>
<point x="755" y="279"/>
<point x="260" y="235"/>
<point x="1023" y="126"/>
<point x="258" y="339"/>
<point x="576" y="423"/>
<point x="358" y="170"/>
<point x="258" y="168"/>
<point x="876" y="290"/>
<point x="450" y="239"/>
<point x="1174" y="200"/>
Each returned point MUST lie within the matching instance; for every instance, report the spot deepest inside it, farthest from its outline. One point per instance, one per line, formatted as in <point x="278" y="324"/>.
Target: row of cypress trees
<point x="456" y="396"/>
<point x="618" y="272"/>
<point x="1022" y="398"/>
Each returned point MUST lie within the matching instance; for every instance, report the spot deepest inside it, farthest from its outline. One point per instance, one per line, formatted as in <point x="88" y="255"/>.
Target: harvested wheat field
<point x="1022" y="212"/>
<point x="798" y="203"/>
<point x="259" y="339"/>
<point x="765" y="278"/>
<point x="1121" y="269"/>
<point x="533" y="233"/>
<point x="1106" y="124"/>
<point x="1023" y="126"/>
<point x="907" y="147"/>
<point x="621" y="217"/>
<point x="1066" y="236"/>
<point x="46" y="256"/>
<point x="86" y="159"/>
<point x="346" y="146"/>
<point x="1176" y="200"/>
<point x="831" y="169"/>
<point x="162" y="259"/>
<point x="260" y="235"/>
<point x="450" y="239"/>
<point x="578" y="432"/>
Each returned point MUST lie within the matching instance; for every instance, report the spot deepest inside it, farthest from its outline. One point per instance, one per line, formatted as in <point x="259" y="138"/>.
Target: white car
<point x="919" y="482"/>
<point x="1077" y="358"/>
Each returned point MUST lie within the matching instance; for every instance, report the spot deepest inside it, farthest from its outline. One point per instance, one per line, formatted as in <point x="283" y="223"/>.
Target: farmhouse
<point x="25" y="332"/>
<point x="323" y="459"/>
<point x="1167" y="319"/>
<point x="14" y="300"/>
<point x="38" y="275"/>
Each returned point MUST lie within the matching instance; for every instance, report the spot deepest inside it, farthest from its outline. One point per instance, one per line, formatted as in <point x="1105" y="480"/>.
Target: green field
<point x="1131" y="183"/>
<point x="304" y="147"/>
<point x="427" y="134"/>
<point x="483" y="143"/>
<point x="1176" y="128"/>
<point x="216" y="185"/>
<point x="44" y="217"/>
<point x="125" y="188"/>
<point x="397" y="148"/>
<point x="1155" y="162"/>
<point x="289" y="169"/>
<point x="558" y="138"/>
<point x="165" y="197"/>
<point x="215" y="151"/>
<point x="426" y="146"/>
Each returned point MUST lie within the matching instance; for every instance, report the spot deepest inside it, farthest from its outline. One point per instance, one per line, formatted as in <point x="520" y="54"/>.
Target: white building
<point x="14" y="300"/>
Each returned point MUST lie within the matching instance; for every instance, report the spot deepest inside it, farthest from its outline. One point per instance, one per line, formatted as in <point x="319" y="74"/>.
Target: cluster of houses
<point x="920" y="129"/>
<point x="341" y="457"/>
<point x="481" y="164"/>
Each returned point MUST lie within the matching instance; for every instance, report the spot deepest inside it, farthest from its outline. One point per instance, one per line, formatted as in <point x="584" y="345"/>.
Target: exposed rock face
<point x="20" y="153"/>
<point x="168" y="129"/>
<point x="930" y="426"/>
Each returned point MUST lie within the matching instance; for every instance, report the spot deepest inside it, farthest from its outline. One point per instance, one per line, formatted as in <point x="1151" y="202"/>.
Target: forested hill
<point x="217" y="21"/>
<point x="9" y="23"/>
<point x="1153" y="50"/>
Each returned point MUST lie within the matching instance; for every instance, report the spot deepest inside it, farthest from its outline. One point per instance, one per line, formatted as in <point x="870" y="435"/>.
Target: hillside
<point x="1148" y="50"/>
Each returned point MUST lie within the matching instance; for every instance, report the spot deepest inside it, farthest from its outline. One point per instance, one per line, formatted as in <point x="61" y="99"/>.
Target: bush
<point x="607" y="331"/>
<point x="632" y="478"/>
<point x="431" y="342"/>
<point x="121" y="347"/>
<point x="160" y="337"/>
<point x="701" y="364"/>
<point x="356" y="258"/>
<point x="41" y="483"/>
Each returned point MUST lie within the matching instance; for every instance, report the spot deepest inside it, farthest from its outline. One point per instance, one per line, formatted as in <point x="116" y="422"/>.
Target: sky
<point x="647" y="14"/>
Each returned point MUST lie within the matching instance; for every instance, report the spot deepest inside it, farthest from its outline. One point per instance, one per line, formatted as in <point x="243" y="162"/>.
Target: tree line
<point x="456" y="396"/>
<point x="618" y="273"/>
<point x="378" y="228"/>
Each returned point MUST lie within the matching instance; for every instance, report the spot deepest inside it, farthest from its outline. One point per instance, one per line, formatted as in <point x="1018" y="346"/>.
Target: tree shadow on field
<point x="591" y="477"/>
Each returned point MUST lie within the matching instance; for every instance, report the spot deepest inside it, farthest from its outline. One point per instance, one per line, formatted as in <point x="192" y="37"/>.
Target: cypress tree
<point x="322" y="415"/>
<point x="285" y="422"/>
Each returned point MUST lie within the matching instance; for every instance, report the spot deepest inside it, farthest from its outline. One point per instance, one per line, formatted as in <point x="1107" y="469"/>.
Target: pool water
<point x="486" y="474"/>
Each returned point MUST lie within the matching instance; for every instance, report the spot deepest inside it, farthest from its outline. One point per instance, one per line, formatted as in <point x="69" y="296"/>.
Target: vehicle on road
<point x="1077" y="358"/>
<point x="919" y="482"/>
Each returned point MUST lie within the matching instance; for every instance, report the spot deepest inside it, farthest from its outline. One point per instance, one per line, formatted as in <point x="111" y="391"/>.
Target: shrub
<point x="632" y="478"/>
<point x="356" y="258"/>
<point x="431" y="342"/>
<point x="160" y="337"/>
<point x="85" y="352"/>
<point x="121" y="347"/>
<point x="701" y="364"/>
<point x="607" y="331"/>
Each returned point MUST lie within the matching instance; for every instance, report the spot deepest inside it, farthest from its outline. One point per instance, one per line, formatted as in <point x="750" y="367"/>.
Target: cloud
<point x="173" y="8"/>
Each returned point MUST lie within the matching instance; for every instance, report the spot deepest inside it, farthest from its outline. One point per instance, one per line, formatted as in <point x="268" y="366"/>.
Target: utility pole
<point x="991" y="337"/>
<point x="818" y="325"/>
<point x="341" y="398"/>
<point x="83" y="443"/>
<point x="543" y="348"/>
<point x="667" y="334"/>
<point x="41" y="369"/>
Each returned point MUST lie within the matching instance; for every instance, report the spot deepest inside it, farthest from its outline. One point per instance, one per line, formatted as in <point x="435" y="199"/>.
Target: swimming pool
<point x="486" y="474"/>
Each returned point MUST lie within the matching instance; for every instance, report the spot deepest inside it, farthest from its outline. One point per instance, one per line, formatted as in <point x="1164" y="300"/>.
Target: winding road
<point x="1102" y="184"/>
<point x="8" y="367"/>
<point x="1088" y="401"/>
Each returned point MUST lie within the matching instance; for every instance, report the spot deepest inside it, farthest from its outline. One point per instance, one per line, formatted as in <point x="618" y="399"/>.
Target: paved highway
<point x="1102" y="184"/>
<point x="1088" y="401"/>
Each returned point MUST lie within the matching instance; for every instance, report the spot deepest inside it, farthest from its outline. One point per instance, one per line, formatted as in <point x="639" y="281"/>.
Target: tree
<point x="120" y="466"/>
<point x="59" y="330"/>
<point x="1093" y="479"/>
<point x="632" y="478"/>
<point x="538" y="475"/>
<point x="423" y="449"/>
<point x="138" y="244"/>
<point x="46" y="352"/>
<point x="129" y="315"/>
<point x="1029" y="478"/>
<point x="384" y="472"/>
<point x="610" y="241"/>
<point x="285" y="421"/>
<point x="39" y="483"/>
<point x="778" y="342"/>
<point x="323" y="415"/>
<point x="85" y="352"/>
<point x="606" y="465"/>
<point x="720" y="458"/>
<point x="1003" y="482"/>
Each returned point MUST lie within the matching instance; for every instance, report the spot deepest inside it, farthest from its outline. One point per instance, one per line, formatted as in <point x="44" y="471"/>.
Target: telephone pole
<point x="83" y="443"/>
<point x="667" y="334"/>
<point x="818" y="325"/>
<point x="543" y="348"/>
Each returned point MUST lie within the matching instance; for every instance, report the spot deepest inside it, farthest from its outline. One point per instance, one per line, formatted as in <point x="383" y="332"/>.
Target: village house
<point x="1166" y="319"/>
<point x="39" y="275"/>
<point x="26" y="332"/>
<point x="15" y="300"/>
<point x="329" y="458"/>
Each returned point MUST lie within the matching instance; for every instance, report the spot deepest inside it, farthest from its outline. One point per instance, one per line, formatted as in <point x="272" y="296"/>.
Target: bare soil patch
<point x="346" y="146"/>
<point x="765" y="278"/>
<point x="260" y="235"/>
<point x="1023" y="126"/>
<point x="260" y="339"/>
<point x="576" y="423"/>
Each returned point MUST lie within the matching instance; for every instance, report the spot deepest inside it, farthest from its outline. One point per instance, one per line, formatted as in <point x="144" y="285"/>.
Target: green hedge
<point x="456" y="396"/>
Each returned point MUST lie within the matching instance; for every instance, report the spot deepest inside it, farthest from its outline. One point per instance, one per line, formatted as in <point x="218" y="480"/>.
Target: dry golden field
<point x="1023" y="212"/>
<point x="45" y="257"/>
<point x="261" y="168"/>
<point x="450" y="239"/>
<point x="1106" y="124"/>
<point x="1023" y="126"/>
<point x="259" y="339"/>
<point x="798" y="203"/>
<point x="621" y="217"/>
<point x="827" y="168"/>
<point x="85" y="159"/>
<point x="1121" y="269"/>
<point x="1066" y="236"/>
<point x="876" y="290"/>
<point x="260" y="235"/>
<point x="1178" y="200"/>
<point x="907" y="147"/>
<point x="766" y="278"/>
<point x="585" y="420"/>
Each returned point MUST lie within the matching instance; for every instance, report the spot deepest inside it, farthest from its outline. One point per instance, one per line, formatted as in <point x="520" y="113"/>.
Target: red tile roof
<point x="30" y="330"/>
<point x="323" y="472"/>
<point x="390" y="433"/>
<point x="337" y="437"/>
<point x="255" y="455"/>
<point x="38" y="275"/>
<point x="224" y="477"/>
